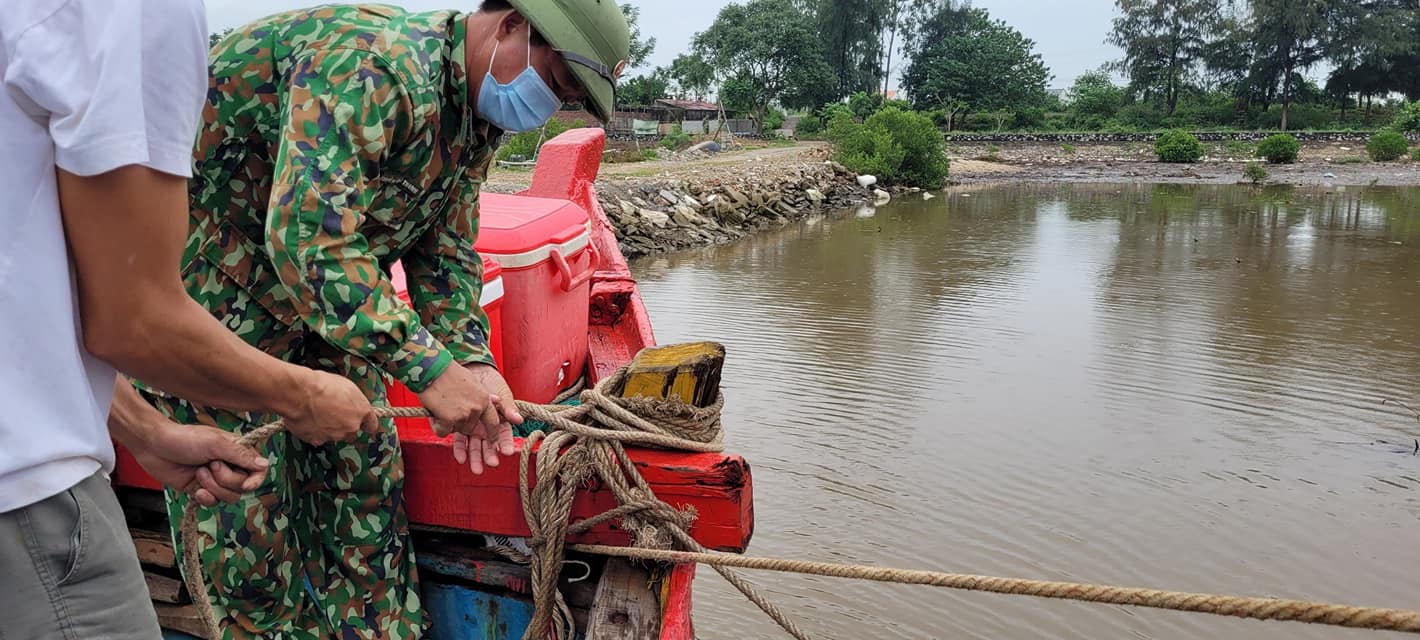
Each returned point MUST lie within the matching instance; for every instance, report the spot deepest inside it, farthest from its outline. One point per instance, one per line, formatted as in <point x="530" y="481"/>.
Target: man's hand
<point x="201" y="461"/>
<point x="475" y="403"/>
<point x="328" y="408"/>
<point x="198" y="460"/>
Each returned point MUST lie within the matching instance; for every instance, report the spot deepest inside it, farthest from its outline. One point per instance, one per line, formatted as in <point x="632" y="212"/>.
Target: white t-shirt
<point x="88" y="86"/>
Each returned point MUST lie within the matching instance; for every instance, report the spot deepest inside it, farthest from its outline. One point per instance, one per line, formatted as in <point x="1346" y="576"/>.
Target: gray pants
<point x="68" y="570"/>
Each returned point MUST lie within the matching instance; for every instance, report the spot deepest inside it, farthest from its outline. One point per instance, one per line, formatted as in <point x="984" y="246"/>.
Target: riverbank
<point x="698" y="200"/>
<point x="693" y="200"/>
<point x="1320" y="164"/>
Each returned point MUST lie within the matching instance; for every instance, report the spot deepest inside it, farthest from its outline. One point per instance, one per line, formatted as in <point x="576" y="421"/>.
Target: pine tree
<point x="1164" y="42"/>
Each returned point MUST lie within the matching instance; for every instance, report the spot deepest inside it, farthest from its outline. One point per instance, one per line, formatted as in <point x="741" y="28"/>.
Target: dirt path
<point x="504" y="180"/>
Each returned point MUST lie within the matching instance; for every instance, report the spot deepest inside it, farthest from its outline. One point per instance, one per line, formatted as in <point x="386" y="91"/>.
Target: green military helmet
<point x="592" y="37"/>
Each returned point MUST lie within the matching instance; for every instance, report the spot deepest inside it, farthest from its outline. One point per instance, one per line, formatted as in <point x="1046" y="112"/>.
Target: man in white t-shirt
<point x="99" y="107"/>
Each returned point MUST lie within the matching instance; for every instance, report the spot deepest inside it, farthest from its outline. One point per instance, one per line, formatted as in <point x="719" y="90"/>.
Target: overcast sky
<point x="1069" y="34"/>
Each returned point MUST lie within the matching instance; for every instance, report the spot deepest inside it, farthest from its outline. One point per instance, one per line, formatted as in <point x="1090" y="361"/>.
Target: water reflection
<point x="1170" y="386"/>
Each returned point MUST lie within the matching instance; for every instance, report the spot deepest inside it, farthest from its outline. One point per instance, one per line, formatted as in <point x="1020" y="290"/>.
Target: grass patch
<point x="1240" y="148"/>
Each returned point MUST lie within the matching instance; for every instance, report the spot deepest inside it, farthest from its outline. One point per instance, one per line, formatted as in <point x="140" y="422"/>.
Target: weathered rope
<point x="588" y="440"/>
<point x="1237" y="606"/>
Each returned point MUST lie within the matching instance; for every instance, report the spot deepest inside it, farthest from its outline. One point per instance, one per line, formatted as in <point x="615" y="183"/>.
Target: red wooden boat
<point x="470" y="591"/>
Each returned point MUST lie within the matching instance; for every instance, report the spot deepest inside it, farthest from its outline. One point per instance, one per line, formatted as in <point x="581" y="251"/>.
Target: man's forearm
<point x="175" y="345"/>
<point x="129" y="417"/>
<point x="126" y="230"/>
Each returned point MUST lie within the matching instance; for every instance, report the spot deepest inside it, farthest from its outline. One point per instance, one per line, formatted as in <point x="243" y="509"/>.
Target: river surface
<point x="1167" y="386"/>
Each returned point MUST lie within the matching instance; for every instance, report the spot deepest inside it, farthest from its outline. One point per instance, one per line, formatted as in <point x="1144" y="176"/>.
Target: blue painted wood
<point x="460" y="613"/>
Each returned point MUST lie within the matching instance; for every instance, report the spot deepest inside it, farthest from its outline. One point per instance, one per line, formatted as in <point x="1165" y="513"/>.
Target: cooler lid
<point x="514" y="225"/>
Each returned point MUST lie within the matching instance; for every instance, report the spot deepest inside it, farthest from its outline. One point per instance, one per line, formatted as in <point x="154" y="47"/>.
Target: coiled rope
<point x="588" y="440"/>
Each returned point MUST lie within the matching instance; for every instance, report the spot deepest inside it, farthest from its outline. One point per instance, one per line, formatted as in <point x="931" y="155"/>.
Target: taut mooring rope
<point x="589" y="439"/>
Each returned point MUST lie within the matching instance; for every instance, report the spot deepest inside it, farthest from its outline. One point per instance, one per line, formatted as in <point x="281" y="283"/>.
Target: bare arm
<point x="126" y="229"/>
<point x="203" y="461"/>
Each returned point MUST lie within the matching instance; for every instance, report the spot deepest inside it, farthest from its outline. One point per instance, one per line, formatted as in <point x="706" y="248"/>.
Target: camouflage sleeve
<point x="446" y="278"/>
<point x="344" y="112"/>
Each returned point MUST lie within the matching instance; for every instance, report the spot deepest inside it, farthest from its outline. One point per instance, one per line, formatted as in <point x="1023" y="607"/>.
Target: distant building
<point x="688" y="109"/>
<point x="695" y="117"/>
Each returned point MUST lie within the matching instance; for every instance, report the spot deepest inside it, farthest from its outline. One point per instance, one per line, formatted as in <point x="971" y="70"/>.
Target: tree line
<point x="1186" y="63"/>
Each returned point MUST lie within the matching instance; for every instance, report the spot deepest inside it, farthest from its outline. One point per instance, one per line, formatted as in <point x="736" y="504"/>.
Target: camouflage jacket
<point x="335" y="141"/>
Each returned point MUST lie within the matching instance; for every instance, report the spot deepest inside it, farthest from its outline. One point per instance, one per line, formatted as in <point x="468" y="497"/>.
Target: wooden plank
<point x="690" y="372"/>
<point x="165" y="589"/>
<point x="155" y="549"/>
<point x="182" y="619"/>
<point x="625" y="608"/>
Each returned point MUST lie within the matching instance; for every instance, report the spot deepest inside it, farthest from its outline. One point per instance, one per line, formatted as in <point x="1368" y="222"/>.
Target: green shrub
<point x="1299" y="117"/>
<point x="809" y="126"/>
<point x="864" y="104"/>
<point x="773" y="120"/>
<point x="869" y="150"/>
<point x="1068" y="149"/>
<point x="1211" y="110"/>
<point x="1279" y="149"/>
<point x="897" y="146"/>
<point x="834" y="110"/>
<point x="1094" y="98"/>
<point x="1387" y="146"/>
<point x="527" y="143"/>
<point x="676" y="139"/>
<point x="1407" y="120"/>
<point x="1139" y="117"/>
<point x="1056" y="122"/>
<point x="1255" y="173"/>
<point x="1415" y="155"/>
<point x="926" y="162"/>
<point x="1178" y="146"/>
<point x="1028" y="118"/>
<point x="976" y="122"/>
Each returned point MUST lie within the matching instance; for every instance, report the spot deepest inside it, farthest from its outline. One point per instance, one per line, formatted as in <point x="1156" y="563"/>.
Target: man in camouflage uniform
<point x="336" y="141"/>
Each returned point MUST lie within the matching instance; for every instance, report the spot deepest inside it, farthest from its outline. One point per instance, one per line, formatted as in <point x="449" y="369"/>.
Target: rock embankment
<point x="659" y="214"/>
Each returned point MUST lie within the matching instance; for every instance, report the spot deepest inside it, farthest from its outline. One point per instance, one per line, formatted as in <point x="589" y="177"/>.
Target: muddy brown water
<point x="1167" y="386"/>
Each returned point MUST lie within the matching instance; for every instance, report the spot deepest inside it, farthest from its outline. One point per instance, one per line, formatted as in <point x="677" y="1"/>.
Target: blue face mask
<point x="523" y="104"/>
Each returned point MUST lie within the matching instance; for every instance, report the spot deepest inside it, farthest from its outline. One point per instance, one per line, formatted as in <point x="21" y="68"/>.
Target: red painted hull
<point x="439" y="492"/>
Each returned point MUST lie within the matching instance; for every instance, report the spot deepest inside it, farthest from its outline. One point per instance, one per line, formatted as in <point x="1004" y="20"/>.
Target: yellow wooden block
<point x="690" y="372"/>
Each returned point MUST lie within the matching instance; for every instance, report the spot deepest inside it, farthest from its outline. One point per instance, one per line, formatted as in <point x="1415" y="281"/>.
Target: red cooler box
<point x="492" y="303"/>
<point x="544" y="247"/>
<point x="540" y="249"/>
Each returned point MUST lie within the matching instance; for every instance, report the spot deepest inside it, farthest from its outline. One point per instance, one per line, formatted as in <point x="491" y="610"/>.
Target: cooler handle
<point x="570" y="282"/>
